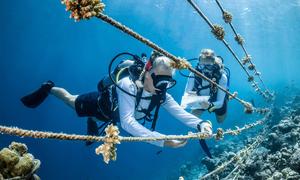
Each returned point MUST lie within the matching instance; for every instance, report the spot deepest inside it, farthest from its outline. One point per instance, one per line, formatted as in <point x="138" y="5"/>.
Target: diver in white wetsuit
<point x="130" y="113"/>
<point x="133" y="103"/>
<point x="200" y="95"/>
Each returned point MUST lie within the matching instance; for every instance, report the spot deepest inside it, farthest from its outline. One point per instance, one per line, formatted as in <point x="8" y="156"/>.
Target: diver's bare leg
<point x="64" y="95"/>
<point x="197" y="112"/>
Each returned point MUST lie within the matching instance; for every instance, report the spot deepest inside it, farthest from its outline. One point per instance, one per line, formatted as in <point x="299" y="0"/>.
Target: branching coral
<point x="108" y="149"/>
<point x="257" y="73"/>
<point x="246" y="59"/>
<point x="183" y="64"/>
<point x="83" y="9"/>
<point x="227" y="16"/>
<point x="234" y="95"/>
<point x="262" y="110"/>
<point x="239" y="39"/>
<point x="219" y="134"/>
<point x="254" y="84"/>
<point x="218" y="31"/>
<point x="248" y="107"/>
<point x="251" y="67"/>
<point x="250" y="78"/>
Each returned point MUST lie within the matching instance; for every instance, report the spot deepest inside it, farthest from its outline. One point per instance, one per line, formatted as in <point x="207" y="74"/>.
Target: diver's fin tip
<point x="35" y="98"/>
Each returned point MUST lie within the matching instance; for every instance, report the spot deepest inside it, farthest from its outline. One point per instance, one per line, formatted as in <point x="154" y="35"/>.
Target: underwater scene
<point x="149" y="90"/>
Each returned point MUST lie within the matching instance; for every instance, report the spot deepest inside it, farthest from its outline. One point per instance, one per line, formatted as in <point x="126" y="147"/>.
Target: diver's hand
<point x="205" y="127"/>
<point x="174" y="143"/>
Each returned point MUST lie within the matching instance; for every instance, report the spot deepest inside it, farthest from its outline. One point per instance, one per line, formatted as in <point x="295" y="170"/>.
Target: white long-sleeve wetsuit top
<point x="192" y="100"/>
<point x="128" y="111"/>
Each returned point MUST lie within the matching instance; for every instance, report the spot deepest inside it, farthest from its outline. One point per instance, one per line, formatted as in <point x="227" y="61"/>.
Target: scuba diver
<point x="128" y="95"/>
<point x="200" y="95"/>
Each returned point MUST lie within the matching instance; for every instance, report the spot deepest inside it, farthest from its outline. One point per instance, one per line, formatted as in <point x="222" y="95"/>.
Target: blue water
<point x="38" y="42"/>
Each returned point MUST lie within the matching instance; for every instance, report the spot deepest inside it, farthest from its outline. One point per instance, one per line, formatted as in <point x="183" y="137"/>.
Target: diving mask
<point x="163" y="82"/>
<point x="209" y="69"/>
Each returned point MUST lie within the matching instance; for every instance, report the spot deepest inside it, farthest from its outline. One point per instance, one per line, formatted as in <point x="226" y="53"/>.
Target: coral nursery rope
<point x="111" y="139"/>
<point x="241" y="43"/>
<point x="63" y="136"/>
<point x="213" y="27"/>
<point x="240" y="156"/>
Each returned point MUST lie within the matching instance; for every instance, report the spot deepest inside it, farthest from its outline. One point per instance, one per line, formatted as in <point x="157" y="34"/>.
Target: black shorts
<point x="221" y="111"/>
<point x="87" y="105"/>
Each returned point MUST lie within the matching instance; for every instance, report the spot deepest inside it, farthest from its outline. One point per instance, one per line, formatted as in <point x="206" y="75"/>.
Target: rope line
<point x="213" y="27"/>
<point x="239" y="157"/>
<point x="242" y="45"/>
<point x="108" y="148"/>
<point x="63" y="136"/>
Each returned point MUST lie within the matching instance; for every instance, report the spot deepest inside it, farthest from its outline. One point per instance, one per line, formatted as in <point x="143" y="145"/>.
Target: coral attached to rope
<point x="108" y="149"/>
<point x="83" y="9"/>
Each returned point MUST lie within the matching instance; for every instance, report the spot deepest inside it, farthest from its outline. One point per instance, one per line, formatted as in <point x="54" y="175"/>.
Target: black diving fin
<point x="204" y="145"/>
<point x="92" y="129"/>
<point x="205" y="148"/>
<point x="35" y="98"/>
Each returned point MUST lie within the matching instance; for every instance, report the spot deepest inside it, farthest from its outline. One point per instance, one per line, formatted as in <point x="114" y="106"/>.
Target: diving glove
<point x="211" y="107"/>
<point x="205" y="126"/>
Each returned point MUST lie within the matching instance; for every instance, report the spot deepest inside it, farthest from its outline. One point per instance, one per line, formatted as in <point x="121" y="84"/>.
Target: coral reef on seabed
<point x="278" y="156"/>
<point x="16" y="163"/>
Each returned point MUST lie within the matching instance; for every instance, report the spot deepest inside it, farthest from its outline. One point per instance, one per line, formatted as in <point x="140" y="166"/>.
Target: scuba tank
<point x="132" y="67"/>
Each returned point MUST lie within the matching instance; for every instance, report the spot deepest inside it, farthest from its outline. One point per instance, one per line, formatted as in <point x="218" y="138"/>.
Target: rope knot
<point x="257" y="73"/>
<point x="234" y="95"/>
<point x="251" y="67"/>
<point x="250" y="78"/>
<point x="239" y="39"/>
<point x="246" y="59"/>
<point x="219" y="134"/>
<point x="248" y="107"/>
<point x="227" y="16"/>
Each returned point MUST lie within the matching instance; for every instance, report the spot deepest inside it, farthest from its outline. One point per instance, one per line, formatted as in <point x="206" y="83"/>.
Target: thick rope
<point x="213" y="27"/>
<point x="111" y="139"/>
<point x="244" y="153"/>
<point x="240" y="42"/>
<point x="240" y="156"/>
<point x="63" y="136"/>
